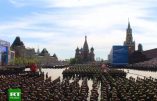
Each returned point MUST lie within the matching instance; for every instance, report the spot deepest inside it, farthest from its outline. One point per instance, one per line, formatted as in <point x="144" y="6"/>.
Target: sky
<point x="61" y="25"/>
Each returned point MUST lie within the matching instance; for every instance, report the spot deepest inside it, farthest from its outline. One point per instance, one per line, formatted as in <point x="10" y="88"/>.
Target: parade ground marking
<point x="14" y="94"/>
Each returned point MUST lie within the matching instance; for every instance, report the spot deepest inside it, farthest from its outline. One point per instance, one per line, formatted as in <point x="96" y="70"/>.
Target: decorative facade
<point x="43" y="56"/>
<point x="84" y="55"/>
<point x="20" y="50"/>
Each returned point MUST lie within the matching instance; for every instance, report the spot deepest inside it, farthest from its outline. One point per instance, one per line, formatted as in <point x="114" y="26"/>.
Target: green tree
<point x="72" y="61"/>
<point x="24" y="60"/>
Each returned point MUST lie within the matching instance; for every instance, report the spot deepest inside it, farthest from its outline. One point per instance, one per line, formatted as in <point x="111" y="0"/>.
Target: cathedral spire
<point x="85" y="49"/>
<point x="85" y="46"/>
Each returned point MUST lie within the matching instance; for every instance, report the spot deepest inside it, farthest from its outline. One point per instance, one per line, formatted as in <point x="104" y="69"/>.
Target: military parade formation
<point x="84" y="83"/>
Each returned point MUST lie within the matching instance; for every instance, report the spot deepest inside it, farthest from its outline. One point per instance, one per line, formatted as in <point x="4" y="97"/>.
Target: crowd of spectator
<point x="150" y="65"/>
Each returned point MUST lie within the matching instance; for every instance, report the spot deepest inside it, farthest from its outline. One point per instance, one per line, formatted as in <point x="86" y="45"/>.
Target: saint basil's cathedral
<point x="84" y="55"/>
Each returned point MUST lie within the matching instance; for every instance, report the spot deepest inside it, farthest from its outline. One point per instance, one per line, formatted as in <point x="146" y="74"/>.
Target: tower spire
<point x="129" y="39"/>
<point x="129" y="29"/>
<point x="85" y="38"/>
<point x="129" y="24"/>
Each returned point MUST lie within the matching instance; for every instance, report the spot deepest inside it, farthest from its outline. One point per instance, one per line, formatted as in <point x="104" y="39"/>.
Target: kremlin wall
<point x="125" y="54"/>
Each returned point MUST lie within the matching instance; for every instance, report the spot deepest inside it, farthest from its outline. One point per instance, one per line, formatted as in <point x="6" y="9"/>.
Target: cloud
<point x="62" y="24"/>
<point x="60" y="3"/>
<point x="24" y="3"/>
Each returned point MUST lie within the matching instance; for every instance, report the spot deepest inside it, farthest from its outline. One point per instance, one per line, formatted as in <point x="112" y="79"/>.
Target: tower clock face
<point x="129" y="38"/>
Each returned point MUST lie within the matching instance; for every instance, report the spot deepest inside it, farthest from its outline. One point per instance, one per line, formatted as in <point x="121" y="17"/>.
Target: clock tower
<point x="129" y="39"/>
